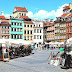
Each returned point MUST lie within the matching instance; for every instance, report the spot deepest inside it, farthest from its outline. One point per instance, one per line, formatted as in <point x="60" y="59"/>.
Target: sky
<point x="41" y="9"/>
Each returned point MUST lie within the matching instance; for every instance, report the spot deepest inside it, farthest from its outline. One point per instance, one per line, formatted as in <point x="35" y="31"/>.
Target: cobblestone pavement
<point x="37" y="62"/>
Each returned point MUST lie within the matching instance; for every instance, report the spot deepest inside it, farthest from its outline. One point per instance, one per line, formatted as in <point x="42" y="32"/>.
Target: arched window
<point x="39" y="25"/>
<point x="22" y="14"/>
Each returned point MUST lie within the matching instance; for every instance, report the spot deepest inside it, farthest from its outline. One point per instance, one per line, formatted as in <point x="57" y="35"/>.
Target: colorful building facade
<point x="20" y="11"/>
<point x="28" y="31"/>
<point x="37" y="32"/>
<point x="69" y="27"/>
<point x="50" y="32"/>
<point x="4" y="28"/>
<point x="16" y="29"/>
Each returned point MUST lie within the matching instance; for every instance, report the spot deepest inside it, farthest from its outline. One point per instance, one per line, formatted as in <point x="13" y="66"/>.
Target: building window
<point x="34" y="25"/>
<point x="24" y="14"/>
<point x="68" y="24"/>
<point x="15" y="29"/>
<point x="8" y="27"/>
<point x="25" y="32"/>
<point x="39" y="25"/>
<point x="40" y="31"/>
<point x="2" y="32"/>
<point x="20" y="24"/>
<point x="28" y="37"/>
<point x="12" y="36"/>
<point x="20" y="29"/>
<point x="15" y="36"/>
<point x="31" y="32"/>
<point x="40" y="37"/>
<point x="68" y="36"/>
<point x="2" y="26"/>
<point x="20" y="14"/>
<point x="24" y="37"/>
<point x="20" y="36"/>
<point x="27" y="25"/>
<point x="34" y="30"/>
<point x="8" y="32"/>
<point x="2" y="36"/>
<point x="31" y="37"/>
<point x="12" y="23"/>
<point x="8" y="37"/>
<point x="24" y="25"/>
<point x="34" y="36"/>
<point x="28" y="32"/>
<point x="31" y="25"/>
<point x="5" y="32"/>
<point x="11" y="29"/>
<point x="5" y="27"/>
<point x="37" y="30"/>
<point x="70" y="29"/>
<point x="15" y="23"/>
<point x="5" y="37"/>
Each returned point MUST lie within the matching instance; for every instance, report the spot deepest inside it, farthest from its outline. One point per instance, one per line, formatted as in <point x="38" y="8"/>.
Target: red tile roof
<point x="28" y="22"/>
<point x="64" y="15"/>
<point x="45" y="23"/>
<point x="4" y="22"/>
<point x="69" y="15"/>
<point x="3" y="17"/>
<point x="67" y="7"/>
<point x="25" y="17"/>
<point x="21" y="8"/>
<point x="52" y="23"/>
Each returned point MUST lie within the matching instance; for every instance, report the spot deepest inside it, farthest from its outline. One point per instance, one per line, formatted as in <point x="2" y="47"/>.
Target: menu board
<point x="6" y="56"/>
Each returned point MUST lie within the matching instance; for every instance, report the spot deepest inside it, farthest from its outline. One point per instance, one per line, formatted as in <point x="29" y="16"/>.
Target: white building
<point x="38" y="33"/>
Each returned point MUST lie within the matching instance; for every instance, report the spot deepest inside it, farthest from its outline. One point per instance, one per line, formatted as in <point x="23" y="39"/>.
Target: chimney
<point x="2" y="13"/>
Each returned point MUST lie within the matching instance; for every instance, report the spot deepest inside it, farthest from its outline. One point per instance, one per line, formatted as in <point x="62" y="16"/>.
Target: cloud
<point x="7" y="15"/>
<point x="43" y="14"/>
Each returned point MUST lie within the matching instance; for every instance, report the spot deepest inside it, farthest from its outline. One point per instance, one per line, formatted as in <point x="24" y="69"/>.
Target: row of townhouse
<point x="61" y="29"/>
<point x="20" y="26"/>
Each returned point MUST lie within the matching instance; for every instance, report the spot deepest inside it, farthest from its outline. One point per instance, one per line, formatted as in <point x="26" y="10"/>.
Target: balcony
<point x="69" y="32"/>
<point x="62" y="28"/>
<point x="5" y="34"/>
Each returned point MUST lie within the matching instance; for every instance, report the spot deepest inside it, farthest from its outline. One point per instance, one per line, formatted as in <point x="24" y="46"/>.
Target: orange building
<point x="50" y="32"/>
<point x="69" y="27"/>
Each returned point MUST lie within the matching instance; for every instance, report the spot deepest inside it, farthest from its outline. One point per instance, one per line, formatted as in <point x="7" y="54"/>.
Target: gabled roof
<point x="67" y="7"/>
<point x="28" y="22"/>
<point x="21" y="8"/>
<point x="25" y="17"/>
<point x="45" y="23"/>
<point x="4" y="22"/>
<point x="52" y="23"/>
<point x="2" y="17"/>
<point x="64" y="15"/>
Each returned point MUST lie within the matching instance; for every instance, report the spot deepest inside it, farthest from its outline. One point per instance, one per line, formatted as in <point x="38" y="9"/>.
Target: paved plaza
<point x="37" y="62"/>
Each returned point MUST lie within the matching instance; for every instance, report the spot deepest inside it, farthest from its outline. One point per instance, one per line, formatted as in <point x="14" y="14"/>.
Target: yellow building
<point x="20" y="11"/>
<point x="28" y="31"/>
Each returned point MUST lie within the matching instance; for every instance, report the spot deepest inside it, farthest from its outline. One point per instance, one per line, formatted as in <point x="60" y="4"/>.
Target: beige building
<point x="28" y="31"/>
<point x="4" y="28"/>
<point x="20" y="11"/>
